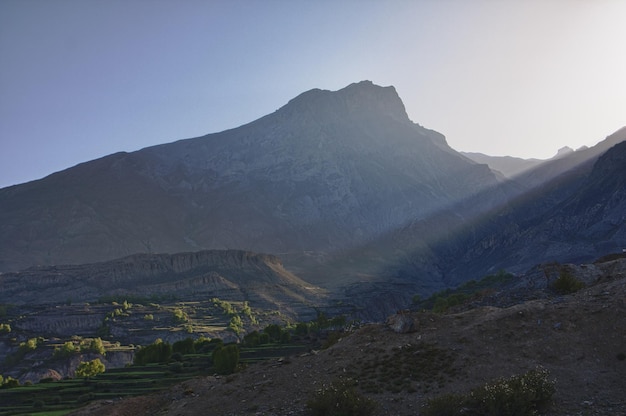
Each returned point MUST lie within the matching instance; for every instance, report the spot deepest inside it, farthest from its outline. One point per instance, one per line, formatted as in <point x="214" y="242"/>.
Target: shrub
<point x="226" y="307"/>
<point x="5" y="328"/>
<point x="340" y="399"/>
<point x="180" y="315"/>
<point x="566" y="283"/>
<point x="225" y="359"/>
<point x="66" y="350"/>
<point x="521" y="395"/>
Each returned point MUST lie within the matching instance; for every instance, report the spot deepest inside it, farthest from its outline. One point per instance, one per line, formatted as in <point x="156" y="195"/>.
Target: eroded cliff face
<point x="227" y="274"/>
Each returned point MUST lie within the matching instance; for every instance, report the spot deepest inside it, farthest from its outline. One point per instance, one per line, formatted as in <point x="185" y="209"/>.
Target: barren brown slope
<point x="580" y="339"/>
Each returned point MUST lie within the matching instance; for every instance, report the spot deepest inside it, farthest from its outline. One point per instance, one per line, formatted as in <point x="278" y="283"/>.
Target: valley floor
<point x="580" y="339"/>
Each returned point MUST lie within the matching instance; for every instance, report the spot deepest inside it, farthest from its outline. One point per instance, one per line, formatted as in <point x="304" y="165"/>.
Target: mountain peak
<point x="362" y="99"/>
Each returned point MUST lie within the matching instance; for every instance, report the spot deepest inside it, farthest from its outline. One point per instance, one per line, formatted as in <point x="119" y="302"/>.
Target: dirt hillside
<point x="580" y="339"/>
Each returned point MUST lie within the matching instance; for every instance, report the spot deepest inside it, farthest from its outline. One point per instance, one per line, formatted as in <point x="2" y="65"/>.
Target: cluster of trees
<point x="271" y="333"/>
<point x="236" y="323"/>
<point x="91" y="368"/>
<point x="157" y="352"/>
<point x="225" y="358"/>
<point x="8" y="382"/>
<point x="81" y="346"/>
<point x="162" y="352"/>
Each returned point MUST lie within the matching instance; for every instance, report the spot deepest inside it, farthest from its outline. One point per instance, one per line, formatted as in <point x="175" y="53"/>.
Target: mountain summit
<point x="326" y="172"/>
<point x="359" y="100"/>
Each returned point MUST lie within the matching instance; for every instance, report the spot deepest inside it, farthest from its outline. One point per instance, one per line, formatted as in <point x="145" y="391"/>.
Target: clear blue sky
<point x="80" y="79"/>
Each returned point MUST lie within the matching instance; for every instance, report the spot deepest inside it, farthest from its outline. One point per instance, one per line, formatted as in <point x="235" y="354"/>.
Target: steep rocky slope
<point x="326" y="172"/>
<point x="576" y="215"/>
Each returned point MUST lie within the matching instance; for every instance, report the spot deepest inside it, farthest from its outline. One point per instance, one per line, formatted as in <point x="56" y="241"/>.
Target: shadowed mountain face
<point x="328" y="171"/>
<point x="342" y="186"/>
<point x="577" y="214"/>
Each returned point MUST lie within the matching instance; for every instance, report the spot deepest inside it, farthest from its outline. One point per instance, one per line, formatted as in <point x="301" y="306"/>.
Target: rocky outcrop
<point x="229" y="274"/>
<point x="403" y="322"/>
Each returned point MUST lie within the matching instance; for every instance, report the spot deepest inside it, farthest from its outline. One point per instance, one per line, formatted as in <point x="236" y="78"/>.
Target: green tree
<point x="225" y="359"/>
<point x="8" y="383"/>
<point x="180" y="315"/>
<point x="91" y="368"/>
<point x="273" y="331"/>
<point x="235" y="324"/>
<point x="5" y="328"/>
<point x="252" y="339"/>
<point x="157" y="352"/>
<point x="185" y="346"/>
<point x="206" y="345"/>
<point x="247" y="311"/>
<point x="66" y="350"/>
<point x="96" y="346"/>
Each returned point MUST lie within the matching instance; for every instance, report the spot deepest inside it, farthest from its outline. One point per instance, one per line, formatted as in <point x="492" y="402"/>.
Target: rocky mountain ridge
<point x="510" y="167"/>
<point x="576" y="215"/>
<point x="232" y="275"/>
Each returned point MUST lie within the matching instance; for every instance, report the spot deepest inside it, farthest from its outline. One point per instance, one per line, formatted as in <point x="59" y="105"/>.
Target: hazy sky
<point x="80" y="79"/>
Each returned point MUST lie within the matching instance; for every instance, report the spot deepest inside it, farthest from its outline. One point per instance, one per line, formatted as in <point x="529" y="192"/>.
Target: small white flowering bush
<point x="340" y="399"/>
<point x="524" y="395"/>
